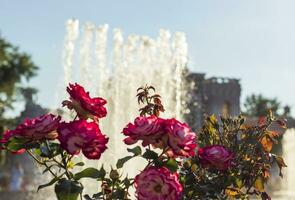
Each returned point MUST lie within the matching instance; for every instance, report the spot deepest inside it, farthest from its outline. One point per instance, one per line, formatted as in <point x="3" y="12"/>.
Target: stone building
<point x="211" y="96"/>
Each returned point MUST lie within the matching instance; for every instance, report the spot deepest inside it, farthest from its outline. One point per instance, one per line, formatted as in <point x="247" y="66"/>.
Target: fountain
<point x="287" y="189"/>
<point x="115" y="68"/>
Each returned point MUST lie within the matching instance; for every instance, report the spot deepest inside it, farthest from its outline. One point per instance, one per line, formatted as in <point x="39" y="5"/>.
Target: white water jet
<point x="72" y="33"/>
<point x="287" y="189"/>
<point x="115" y="69"/>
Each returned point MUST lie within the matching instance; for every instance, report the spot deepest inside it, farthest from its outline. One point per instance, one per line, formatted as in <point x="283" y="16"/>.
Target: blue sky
<point x="251" y="40"/>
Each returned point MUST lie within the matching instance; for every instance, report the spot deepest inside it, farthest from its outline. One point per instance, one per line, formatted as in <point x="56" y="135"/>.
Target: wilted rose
<point x="157" y="184"/>
<point x="216" y="156"/>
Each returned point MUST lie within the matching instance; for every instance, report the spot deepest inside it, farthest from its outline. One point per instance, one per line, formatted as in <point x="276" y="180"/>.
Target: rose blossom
<point x="157" y="184"/>
<point x="216" y="156"/>
<point x="82" y="135"/>
<point x="181" y="139"/>
<point x="39" y="128"/>
<point x="83" y="104"/>
<point x="148" y="129"/>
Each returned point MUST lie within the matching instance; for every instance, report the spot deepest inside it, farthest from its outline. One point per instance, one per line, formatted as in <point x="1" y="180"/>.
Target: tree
<point x="258" y="105"/>
<point x="15" y="68"/>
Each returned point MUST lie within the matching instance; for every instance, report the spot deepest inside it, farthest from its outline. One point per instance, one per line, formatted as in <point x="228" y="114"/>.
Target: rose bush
<point x="226" y="159"/>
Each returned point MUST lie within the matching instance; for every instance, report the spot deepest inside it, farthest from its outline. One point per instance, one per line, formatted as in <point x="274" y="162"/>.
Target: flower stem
<point x="41" y="163"/>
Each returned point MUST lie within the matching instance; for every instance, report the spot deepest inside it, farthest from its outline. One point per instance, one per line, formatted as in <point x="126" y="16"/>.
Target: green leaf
<point x="118" y="194"/>
<point x="149" y="154"/>
<point x="88" y="173"/>
<point x="122" y="161"/>
<point x="136" y="150"/>
<point x="87" y="197"/>
<point x="15" y="144"/>
<point x="31" y="145"/>
<point x="80" y="164"/>
<point x="48" y="150"/>
<point x="97" y="195"/>
<point x="126" y="182"/>
<point x="171" y="164"/>
<point x="102" y="172"/>
<point x="48" y="184"/>
<point x="238" y="183"/>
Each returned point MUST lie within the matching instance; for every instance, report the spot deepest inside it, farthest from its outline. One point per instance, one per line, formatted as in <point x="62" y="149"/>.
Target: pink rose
<point x="157" y="184"/>
<point x="215" y="156"/>
<point x="148" y="129"/>
<point x="39" y="128"/>
<point x="85" y="106"/>
<point x="181" y="139"/>
<point x="82" y="135"/>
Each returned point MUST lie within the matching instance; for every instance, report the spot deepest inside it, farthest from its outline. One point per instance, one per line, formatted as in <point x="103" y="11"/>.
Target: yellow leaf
<point x="259" y="185"/>
<point x="266" y="143"/>
<point x="231" y="192"/>
<point x="194" y="167"/>
<point x="280" y="161"/>
<point x="239" y="183"/>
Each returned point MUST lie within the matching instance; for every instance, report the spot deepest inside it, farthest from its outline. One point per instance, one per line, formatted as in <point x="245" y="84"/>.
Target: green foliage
<point x="149" y="154"/>
<point x="258" y="105"/>
<point x="15" y="66"/>
<point x="89" y="173"/>
<point x="136" y="152"/>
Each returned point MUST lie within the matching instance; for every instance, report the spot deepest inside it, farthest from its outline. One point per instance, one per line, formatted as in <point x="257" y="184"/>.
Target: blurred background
<point x="240" y="58"/>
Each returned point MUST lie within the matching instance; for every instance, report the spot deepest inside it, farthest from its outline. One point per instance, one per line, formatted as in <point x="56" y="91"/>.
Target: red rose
<point x="148" y="129"/>
<point x="216" y="156"/>
<point x="85" y="106"/>
<point x="181" y="139"/>
<point x="39" y="128"/>
<point x="82" y="135"/>
<point x="157" y="184"/>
